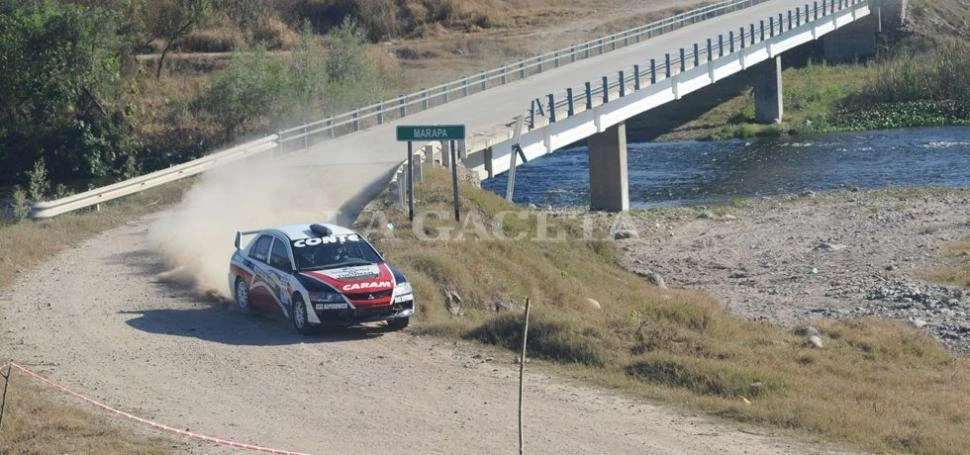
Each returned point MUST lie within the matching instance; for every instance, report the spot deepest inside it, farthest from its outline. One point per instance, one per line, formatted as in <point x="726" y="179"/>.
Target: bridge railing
<point x="404" y="105"/>
<point x="379" y="113"/>
<point x="573" y="100"/>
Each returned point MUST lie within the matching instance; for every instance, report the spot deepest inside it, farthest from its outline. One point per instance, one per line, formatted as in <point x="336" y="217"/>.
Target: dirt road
<point x="97" y="319"/>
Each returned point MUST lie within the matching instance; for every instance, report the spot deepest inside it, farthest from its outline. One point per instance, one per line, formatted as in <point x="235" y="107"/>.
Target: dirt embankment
<point x="793" y="259"/>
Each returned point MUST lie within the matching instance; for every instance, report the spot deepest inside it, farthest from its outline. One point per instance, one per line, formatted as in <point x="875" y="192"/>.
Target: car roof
<point x="302" y="231"/>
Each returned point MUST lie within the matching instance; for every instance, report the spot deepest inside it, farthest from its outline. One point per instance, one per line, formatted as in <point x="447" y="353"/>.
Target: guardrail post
<point x="602" y="49"/>
<point x="798" y="17"/>
<point x="556" y="56"/>
<point x="742" y="38"/>
<point x="445" y="93"/>
<point x="613" y="41"/>
<point x="626" y="40"/>
<point x="762" y="30"/>
<point x="667" y="65"/>
<point x="356" y="117"/>
<point x="540" y="64"/>
<point x="484" y="81"/>
<point x="464" y="88"/>
<point x="552" y="108"/>
<point x="279" y="142"/>
<point x="606" y="89"/>
<point x="331" y="127"/>
<point x="752" y="35"/>
<point x="697" y="55"/>
<point x="425" y="103"/>
<point x="816" y="9"/>
<point x="570" y="106"/>
<point x="522" y="70"/>
<point x="532" y="116"/>
<point x="636" y="77"/>
<point x="791" y="20"/>
<point x="403" y="106"/>
<point x="622" y="84"/>
<point x="683" y="60"/>
<point x="720" y="45"/>
<point x="306" y="138"/>
<point x="731" y="38"/>
<point x="806" y="14"/>
<point x="589" y="49"/>
<point x="380" y="114"/>
<point x="589" y="96"/>
<point x="653" y="72"/>
<point x="505" y="75"/>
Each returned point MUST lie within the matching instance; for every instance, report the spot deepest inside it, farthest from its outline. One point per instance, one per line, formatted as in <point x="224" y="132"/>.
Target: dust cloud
<point x="195" y="238"/>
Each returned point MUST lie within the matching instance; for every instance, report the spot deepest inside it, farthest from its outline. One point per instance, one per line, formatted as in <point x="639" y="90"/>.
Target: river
<point x="697" y="173"/>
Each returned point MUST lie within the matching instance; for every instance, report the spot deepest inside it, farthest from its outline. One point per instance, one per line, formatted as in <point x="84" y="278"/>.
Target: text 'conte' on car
<point x="316" y="275"/>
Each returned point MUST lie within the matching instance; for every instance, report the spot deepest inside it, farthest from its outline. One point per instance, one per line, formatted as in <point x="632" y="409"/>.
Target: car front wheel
<point x="398" y="324"/>
<point x="299" y="317"/>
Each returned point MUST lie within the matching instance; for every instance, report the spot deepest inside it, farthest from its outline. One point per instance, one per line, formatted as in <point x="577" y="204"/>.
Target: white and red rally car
<point x="318" y="274"/>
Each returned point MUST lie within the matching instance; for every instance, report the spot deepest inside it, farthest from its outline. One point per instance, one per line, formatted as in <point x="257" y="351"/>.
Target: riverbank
<point x="923" y="83"/>
<point x="662" y="333"/>
<point x="796" y="259"/>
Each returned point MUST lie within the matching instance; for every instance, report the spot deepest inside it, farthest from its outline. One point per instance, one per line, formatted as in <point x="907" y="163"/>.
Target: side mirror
<point x="238" y="240"/>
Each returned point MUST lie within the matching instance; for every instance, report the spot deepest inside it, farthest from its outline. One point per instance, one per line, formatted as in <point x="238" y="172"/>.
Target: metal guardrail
<point x="573" y="100"/>
<point x="396" y="108"/>
<point x="131" y="186"/>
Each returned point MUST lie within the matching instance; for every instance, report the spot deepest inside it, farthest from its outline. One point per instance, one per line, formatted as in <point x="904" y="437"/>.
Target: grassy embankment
<point x="955" y="267"/>
<point x="877" y="385"/>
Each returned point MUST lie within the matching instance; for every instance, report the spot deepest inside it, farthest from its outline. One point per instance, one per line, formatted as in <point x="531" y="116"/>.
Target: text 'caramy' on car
<point x="318" y="274"/>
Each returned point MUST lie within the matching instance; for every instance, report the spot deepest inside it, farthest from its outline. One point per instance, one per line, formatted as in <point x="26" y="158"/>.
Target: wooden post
<point x="525" y="337"/>
<point x="3" y="401"/>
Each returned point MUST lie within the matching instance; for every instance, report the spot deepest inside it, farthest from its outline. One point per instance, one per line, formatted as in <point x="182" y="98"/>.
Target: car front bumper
<point x="359" y="315"/>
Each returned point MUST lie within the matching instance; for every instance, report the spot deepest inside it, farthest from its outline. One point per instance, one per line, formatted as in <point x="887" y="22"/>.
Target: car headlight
<point x="326" y="297"/>
<point x="403" y="288"/>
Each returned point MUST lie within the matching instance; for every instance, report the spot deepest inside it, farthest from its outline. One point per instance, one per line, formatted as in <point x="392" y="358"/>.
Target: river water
<point x="698" y="173"/>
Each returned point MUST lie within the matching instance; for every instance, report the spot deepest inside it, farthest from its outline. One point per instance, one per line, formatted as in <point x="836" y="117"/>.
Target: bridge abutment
<point x="858" y="40"/>
<point x="768" y="93"/>
<point x="608" y="178"/>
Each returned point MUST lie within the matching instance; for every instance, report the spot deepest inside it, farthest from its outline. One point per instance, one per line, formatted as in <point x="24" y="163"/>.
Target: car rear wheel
<point x="398" y="324"/>
<point x="299" y="317"/>
<point x="242" y="295"/>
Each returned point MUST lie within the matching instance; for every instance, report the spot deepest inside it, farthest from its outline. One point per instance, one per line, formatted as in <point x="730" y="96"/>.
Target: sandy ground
<point x="96" y="319"/>
<point x="792" y="259"/>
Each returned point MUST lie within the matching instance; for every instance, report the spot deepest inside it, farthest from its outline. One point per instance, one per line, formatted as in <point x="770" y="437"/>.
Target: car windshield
<point x="333" y="252"/>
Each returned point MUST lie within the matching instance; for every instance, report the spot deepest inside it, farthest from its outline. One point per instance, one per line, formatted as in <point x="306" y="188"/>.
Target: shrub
<point x="550" y="338"/>
<point x="19" y="204"/>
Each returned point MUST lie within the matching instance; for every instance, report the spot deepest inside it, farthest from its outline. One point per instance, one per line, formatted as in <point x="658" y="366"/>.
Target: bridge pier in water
<point x="608" y="177"/>
<point x="768" y="94"/>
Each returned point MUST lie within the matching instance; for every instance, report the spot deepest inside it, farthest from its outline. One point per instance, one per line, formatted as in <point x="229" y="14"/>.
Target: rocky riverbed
<point x="798" y="258"/>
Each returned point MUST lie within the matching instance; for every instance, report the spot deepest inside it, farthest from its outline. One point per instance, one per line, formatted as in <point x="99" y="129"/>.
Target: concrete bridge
<point x="591" y="99"/>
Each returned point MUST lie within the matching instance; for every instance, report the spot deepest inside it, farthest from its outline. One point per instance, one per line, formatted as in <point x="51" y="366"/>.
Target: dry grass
<point x="37" y="423"/>
<point x="956" y="268"/>
<point x="877" y="385"/>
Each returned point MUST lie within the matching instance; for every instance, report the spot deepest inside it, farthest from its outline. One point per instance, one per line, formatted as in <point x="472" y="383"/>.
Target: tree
<point x="59" y="89"/>
<point x="176" y="18"/>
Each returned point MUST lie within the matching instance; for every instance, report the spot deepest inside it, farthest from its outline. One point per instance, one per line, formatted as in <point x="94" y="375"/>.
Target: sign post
<point x="447" y="134"/>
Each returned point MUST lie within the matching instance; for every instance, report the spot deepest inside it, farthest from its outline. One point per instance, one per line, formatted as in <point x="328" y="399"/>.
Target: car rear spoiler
<point x="240" y="234"/>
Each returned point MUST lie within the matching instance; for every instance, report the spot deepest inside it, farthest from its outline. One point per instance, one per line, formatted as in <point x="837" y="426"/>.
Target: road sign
<point x="431" y="133"/>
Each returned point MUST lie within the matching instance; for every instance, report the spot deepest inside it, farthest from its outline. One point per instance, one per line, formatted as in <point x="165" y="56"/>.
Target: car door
<point x="260" y="289"/>
<point x="280" y="270"/>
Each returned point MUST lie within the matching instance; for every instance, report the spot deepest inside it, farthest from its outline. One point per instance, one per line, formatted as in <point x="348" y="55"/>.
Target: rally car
<point x="316" y="275"/>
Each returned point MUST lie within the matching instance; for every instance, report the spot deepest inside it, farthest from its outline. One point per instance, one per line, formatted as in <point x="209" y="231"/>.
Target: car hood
<point x="372" y="284"/>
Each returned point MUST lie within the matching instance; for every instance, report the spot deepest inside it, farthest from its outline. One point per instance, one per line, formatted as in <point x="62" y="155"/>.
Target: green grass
<point x="876" y="385"/>
<point x="955" y="270"/>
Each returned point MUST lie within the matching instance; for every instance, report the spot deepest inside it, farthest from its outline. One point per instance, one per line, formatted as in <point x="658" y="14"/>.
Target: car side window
<point x="278" y="257"/>
<point x="260" y="251"/>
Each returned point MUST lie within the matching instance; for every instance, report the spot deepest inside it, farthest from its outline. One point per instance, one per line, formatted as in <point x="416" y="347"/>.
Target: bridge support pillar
<point x="768" y="93"/>
<point x="608" y="178"/>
